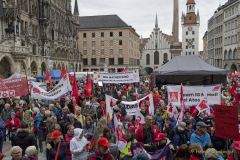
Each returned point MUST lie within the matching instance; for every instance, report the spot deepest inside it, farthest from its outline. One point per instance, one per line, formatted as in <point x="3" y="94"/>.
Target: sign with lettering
<point x="194" y="94"/>
<point x="226" y="122"/>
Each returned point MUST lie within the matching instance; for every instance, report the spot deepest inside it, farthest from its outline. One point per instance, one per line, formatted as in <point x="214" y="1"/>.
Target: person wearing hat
<point x="102" y="153"/>
<point x="179" y="136"/>
<point x="57" y="148"/>
<point x="201" y="136"/>
<point x="13" y="123"/>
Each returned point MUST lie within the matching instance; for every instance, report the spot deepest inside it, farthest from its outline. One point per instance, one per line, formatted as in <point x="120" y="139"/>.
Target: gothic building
<point x="36" y="35"/>
<point x="156" y="50"/>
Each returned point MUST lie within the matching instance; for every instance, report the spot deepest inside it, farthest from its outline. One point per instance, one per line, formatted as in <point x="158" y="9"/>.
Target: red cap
<point x="160" y="136"/>
<point x="102" y="103"/>
<point x="55" y="134"/>
<point x="103" y="142"/>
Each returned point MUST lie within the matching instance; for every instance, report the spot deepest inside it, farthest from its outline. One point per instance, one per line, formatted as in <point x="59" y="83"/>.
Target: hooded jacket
<point x="78" y="146"/>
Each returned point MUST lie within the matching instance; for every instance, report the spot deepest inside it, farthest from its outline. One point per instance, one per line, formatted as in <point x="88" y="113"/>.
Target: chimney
<point x="175" y="28"/>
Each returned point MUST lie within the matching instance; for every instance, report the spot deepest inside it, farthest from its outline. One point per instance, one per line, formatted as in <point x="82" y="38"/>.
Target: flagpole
<point x="29" y="93"/>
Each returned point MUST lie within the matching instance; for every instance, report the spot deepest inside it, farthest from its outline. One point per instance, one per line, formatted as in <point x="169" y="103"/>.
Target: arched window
<point x="235" y="54"/>
<point x="230" y="54"/>
<point x="147" y="59"/>
<point x="225" y="55"/>
<point x="165" y="58"/>
<point x="156" y="58"/>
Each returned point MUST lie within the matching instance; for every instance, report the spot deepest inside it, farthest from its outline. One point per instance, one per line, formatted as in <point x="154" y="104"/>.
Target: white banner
<point x="116" y="78"/>
<point x="59" y="90"/>
<point x="132" y="108"/>
<point x="194" y="94"/>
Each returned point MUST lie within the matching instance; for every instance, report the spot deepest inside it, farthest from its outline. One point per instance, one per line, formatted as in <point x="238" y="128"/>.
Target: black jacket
<point x="62" y="151"/>
<point x="24" y="139"/>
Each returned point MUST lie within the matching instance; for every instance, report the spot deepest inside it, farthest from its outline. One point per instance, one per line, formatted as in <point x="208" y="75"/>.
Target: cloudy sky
<point x="141" y="13"/>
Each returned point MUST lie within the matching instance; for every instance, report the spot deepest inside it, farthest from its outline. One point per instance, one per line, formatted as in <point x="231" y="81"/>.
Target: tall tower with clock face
<point x="190" y="30"/>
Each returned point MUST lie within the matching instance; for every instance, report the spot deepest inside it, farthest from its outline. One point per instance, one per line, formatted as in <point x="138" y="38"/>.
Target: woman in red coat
<point x="13" y="123"/>
<point x="68" y="138"/>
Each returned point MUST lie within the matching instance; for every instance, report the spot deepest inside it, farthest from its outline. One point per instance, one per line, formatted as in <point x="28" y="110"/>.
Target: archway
<point x="76" y="67"/>
<point x="147" y="59"/>
<point x="80" y="67"/>
<point x="22" y="67"/>
<point x="225" y="66"/>
<point x="230" y="54"/>
<point x="54" y="66"/>
<point x="165" y="58"/>
<point x="34" y="69"/>
<point x="5" y="67"/>
<point x="43" y="68"/>
<point x="233" y="68"/>
<point x="156" y="58"/>
<point x="225" y="54"/>
<point x="235" y="54"/>
<point x="148" y="70"/>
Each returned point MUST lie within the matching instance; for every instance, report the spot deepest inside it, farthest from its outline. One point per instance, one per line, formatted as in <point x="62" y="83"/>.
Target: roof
<point x="169" y="38"/>
<point x="188" y="65"/>
<point x="190" y="18"/>
<point x="102" y="21"/>
<point x="191" y="2"/>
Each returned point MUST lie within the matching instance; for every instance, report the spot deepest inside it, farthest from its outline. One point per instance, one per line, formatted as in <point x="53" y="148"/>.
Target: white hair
<point x="36" y="110"/>
<point x="31" y="151"/>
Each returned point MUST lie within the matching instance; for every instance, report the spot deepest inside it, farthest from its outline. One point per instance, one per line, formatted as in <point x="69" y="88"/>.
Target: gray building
<point x="36" y="35"/>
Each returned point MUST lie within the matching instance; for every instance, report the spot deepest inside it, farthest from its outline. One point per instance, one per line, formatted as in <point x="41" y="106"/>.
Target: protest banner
<point x="116" y="78"/>
<point x="133" y="107"/>
<point x="14" y="87"/>
<point x="59" y="90"/>
<point x="193" y="95"/>
<point x="119" y="134"/>
<point x="226" y="122"/>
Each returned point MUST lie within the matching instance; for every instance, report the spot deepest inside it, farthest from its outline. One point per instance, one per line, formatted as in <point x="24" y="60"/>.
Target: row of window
<point x="231" y="11"/>
<point x="191" y="46"/>
<point x="156" y="58"/>
<point x="230" y="40"/>
<point x="193" y="32"/>
<point x="102" y="61"/>
<point x="102" y="34"/>
<point x="102" y="43"/>
<point x="190" y="53"/>
<point x="230" y="54"/>
<point x="102" y="51"/>
<point x="231" y="25"/>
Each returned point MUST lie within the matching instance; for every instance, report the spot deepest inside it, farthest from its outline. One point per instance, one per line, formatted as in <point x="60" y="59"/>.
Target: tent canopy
<point x="188" y="65"/>
<point x="188" y="70"/>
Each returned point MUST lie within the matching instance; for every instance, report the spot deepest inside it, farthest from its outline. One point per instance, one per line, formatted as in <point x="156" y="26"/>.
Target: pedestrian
<point x="78" y="145"/>
<point x="13" y="123"/>
<point x="89" y="127"/>
<point x="179" y="136"/>
<point x="31" y="153"/>
<point x="102" y="152"/>
<point x="68" y="138"/>
<point x="24" y="138"/>
<point x="16" y="153"/>
<point x="79" y="116"/>
<point x="57" y="148"/>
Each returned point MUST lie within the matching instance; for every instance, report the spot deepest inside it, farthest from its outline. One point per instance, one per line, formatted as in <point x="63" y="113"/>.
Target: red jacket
<point x="157" y="135"/>
<point x="16" y="125"/>
<point x="68" y="138"/>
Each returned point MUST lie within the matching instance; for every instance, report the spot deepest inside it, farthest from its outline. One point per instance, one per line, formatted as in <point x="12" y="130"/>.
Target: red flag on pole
<point x="48" y="76"/>
<point x="182" y="105"/>
<point x="63" y="71"/>
<point x="75" y="92"/>
<point x="88" y="87"/>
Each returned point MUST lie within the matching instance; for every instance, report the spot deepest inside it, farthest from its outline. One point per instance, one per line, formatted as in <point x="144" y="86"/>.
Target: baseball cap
<point x="202" y="124"/>
<point x="103" y="142"/>
<point x="55" y="134"/>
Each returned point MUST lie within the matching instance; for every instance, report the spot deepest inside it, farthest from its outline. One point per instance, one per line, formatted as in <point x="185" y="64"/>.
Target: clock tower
<point x="190" y="30"/>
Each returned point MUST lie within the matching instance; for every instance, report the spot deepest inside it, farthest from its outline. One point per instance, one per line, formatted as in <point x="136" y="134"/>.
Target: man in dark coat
<point x="24" y="138"/>
<point x="52" y="147"/>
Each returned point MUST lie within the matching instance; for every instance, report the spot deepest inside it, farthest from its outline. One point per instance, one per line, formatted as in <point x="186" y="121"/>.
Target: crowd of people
<point x="67" y="132"/>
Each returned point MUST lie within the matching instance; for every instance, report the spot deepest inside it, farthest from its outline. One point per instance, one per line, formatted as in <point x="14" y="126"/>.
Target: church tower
<point x="190" y="30"/>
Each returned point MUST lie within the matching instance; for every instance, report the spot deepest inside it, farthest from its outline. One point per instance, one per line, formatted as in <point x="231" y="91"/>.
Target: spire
<point x="76" y="12"/>
<point x="156" y="21"/>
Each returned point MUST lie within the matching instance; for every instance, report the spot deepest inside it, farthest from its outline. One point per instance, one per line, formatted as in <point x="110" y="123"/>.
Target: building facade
<point x="204" y="55"/>
<point x="223" y="36"/>
<point x="108" y="44"/>
<point x="190" y="30"/>
<point x="37" y="35"/>
<point x="156" y="51"/>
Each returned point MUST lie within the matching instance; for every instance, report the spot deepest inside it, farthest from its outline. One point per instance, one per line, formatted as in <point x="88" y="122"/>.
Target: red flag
<point x="182" y="105"/>
<point x="63" y="71"/>
<point x="234" y="93"/>
<point x="75" y="92"/>
<point x="48" y="76"/>
<point x="88" y="87"/>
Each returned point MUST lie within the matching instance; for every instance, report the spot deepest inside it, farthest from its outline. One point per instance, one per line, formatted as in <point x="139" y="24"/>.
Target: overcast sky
<point x="141" y="13"/>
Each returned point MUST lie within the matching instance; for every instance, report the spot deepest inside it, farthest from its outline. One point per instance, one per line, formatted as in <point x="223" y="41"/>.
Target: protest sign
<point x="13" y="87"/>
<point x="193" y="95"/>
<point x="59" y="90"/>
<point x="116" y="78"/>
<point x="133" y="107"/>
<point x="226" y="121"/>
<point x="119" y="135"/>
